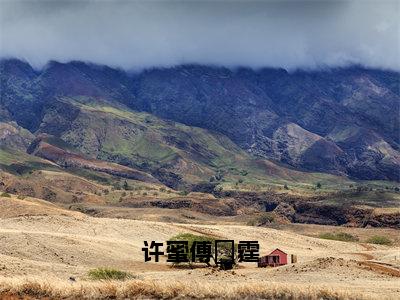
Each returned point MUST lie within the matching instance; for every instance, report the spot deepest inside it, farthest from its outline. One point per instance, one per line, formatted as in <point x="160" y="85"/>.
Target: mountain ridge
<point x="341" y="121"/>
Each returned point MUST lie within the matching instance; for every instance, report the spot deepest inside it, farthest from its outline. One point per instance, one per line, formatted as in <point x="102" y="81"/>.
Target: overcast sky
<point x="137" y="34"/>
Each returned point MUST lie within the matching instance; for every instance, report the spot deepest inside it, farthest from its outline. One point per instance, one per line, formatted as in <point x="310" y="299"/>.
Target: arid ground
<point x="53" y="249"/>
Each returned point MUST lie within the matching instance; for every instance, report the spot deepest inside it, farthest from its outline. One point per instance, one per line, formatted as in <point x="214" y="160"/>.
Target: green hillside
<point x="178" y="154"/>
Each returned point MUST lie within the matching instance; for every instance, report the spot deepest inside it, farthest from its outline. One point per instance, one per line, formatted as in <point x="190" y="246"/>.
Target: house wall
<point x="267" y="259"/>
<point x="282" y="256"/>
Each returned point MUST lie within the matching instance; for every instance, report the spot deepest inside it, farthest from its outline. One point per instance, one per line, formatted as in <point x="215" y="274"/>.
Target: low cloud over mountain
<point x="137" y="34"/>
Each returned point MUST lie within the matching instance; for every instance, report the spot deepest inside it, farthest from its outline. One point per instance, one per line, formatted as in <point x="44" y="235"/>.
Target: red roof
<point x="278" y="250"/>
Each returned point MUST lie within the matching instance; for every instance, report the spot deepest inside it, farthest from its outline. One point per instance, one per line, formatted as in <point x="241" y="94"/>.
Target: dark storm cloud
<point x="136" y="34"/>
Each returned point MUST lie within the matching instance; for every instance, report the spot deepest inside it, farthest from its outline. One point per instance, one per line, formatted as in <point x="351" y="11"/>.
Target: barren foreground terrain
<point x="46" y="251"/>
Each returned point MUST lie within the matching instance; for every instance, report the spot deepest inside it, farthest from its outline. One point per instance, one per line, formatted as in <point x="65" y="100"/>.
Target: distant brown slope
<point x="67" y="159"/>
<point x="14" y="136"/>
<point x="12" y="207"/>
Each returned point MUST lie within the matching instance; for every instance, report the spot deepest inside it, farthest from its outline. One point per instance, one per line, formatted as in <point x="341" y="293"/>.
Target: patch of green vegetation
<point x="19" y="163"/>
<point x="223" y="247"/>
<point x="338" y="236"/>
<point x="6" y="157"/>
<point x="92" y="175"/>
<point x="375" y="198"/>
<point x="149" y="143"/>
<point x="380" y="240"/>
<point x="146" y="148"/>
<point x="183" y="193"/>
<point x="263" y="218"/>
<point x="158" y="142"/>
<point x="5" y="195"/>
<point x="28" y="167"/>
<point x="191" y="238"/>
<point x="108" y="274"/>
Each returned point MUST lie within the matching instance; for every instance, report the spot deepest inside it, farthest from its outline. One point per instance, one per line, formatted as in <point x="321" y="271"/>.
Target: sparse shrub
<point x="266" y="218"/>
<point x="155" y="194"/>
<point x="106" y="192"/>
<point x="162" y="189"/>
<point x="5" y="195"/>
<point x="226" y="263"/>
<point x="380" y="240"/>
<point x="21" y="197"/>
<point x="144" y="194"/>
<point x="338" y="236"/>
<point x="126" y="186"/>
<point x="240" y="180"/>
<point x="116" y="186"/>
<point x="263" y="218"/>
<point x="366" y="189"/>
<point x="318" y="185"/>
<point x="219" y="175"/>
<point x="286" y="187"/>
<point x="191" y="238"/>
<point x="183" y="193"/>
<point x="396" y="189"/>
<point x="188" y="216"/>
<point x="49" y="194"/>
<point x="108" y="274"/>
<point x="244" y="173"/>
<point x="251" y="222"/>
<point x="227" y="194"/>
<point x="218" y="189"/>
<point x="123" y="194"/>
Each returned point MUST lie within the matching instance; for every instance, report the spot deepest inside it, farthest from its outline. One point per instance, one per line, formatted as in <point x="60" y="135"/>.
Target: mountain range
<point x="192" y="123"/>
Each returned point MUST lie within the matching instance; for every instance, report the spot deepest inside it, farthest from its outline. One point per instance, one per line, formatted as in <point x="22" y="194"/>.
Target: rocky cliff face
<point x="343" y="121"/>
<point x="294" y="118"/>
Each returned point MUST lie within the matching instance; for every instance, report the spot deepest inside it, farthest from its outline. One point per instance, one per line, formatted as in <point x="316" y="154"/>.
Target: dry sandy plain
<point x="42" y="246"/>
